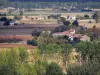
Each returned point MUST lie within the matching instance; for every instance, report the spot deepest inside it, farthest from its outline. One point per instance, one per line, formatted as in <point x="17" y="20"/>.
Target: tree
<point x="91" y="68"/>
<point x="32" y="42"/>
<point x="78" y="17"/>
<point x="21" y="13"/>
<point x="66" y="50"/>
<point x="96" y="16"/>
<point x="23" y="54"/>
<point x="86" y="16"/>
<point x="40" y="67"/>
<point x="36" y="32"/>
<point x="53" y="69"/>
<point x="75" y="23"/>
<point x="17" y="18"/>
<point x="66" y="23"/>
<point x="3" y="2"/>
<point x="10" y="63"/>
<point x="7" y="23"/>
<point x="63" y="20"/>
<point x="89" y="50"/>
<point x="3" y="19"/>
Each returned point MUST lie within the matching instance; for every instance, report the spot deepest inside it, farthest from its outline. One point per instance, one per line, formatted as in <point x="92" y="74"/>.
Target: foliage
<point x="91" y="68"/>
<point x="36" y="32"/>
<point x="17" y="17"/>
<point x="96" y="16"/>
<point x="79" y="17"/>
<point x="32" y="42"/>
<point x="21" y="13"/>
<point x="75" y="23"/>
<point x="23" y="54"/>
<point x="86" y="16"/>
<point x="3" y="19"/>
<point x="11" y="64"/>
<point x="3" y="2"/>
<point x="89" y="49"/>
<point x="61" y="28"/>
<point x="40" y="67"/>
<point x="53" y="69"/>
<point x="63" y="20"/>
<point x="10" y="40"/>
<point x="66" y="23"/>
<point x="50" y="48"/>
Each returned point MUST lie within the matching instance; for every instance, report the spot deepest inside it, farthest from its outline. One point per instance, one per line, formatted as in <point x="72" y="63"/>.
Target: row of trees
<point x="90" y="59"/>
<point x="22" y="4"/>
<point x="15" y="62"/>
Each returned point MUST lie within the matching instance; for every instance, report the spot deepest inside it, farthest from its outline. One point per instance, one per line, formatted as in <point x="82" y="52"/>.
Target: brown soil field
<point x="22" y="37"/>
<point x="90" y="25"/>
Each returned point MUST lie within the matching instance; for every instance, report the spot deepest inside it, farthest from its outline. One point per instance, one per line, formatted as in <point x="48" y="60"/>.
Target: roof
<point x="68" y="33"/>
<point x="85" y="38"/>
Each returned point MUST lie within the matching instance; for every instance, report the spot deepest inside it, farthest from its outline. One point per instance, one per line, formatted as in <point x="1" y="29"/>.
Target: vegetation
<point x="3" y="2"/>
<point x="13" y="62"/>
<point x="29" y="4"/>
<point x="96" y="16"/>
<point x="75" y="23"/>
<point x="86" y="16"/>
<point x="90" y="62"/>
<point x="53" y="69"/>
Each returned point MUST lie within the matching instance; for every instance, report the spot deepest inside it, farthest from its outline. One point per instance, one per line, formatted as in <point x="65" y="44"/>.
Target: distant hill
<point x="58" y="0"/>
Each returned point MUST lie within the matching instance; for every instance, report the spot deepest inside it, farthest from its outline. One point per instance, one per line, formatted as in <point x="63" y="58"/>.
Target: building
<point x="71" y="34"/>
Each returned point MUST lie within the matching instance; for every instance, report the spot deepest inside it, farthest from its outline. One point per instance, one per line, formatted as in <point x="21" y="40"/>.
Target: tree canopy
<point x="3" y="2"/>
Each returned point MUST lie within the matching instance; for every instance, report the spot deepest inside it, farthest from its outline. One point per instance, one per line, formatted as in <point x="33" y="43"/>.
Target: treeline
<point x="30" y="4"/>
<point x="15" y="62"/>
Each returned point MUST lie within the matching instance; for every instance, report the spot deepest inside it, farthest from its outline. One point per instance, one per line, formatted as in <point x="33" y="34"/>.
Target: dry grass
<point x="16" y="46"/>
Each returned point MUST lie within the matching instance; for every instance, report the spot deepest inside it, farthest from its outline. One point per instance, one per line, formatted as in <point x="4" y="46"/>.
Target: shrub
<point x="86" y="16"/>
<point x="32" y="42"/>
<point x="75" y="23"/>
<point x="53" y="69"/>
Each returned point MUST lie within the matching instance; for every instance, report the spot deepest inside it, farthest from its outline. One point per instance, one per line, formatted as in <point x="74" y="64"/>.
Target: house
<point x="71" y="34"/>
<point x="85" y="38"/>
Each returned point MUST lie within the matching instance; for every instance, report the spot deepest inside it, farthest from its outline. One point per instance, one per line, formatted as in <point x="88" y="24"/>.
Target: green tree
<point x="27" y="69"/>
<point x="89" y="50"/>
<point x="40" y="67"/>
<point x="10" y="63"/>
<point x="86" y="16"/>
<point x="90" y="68"/>
<point x="66" y="50"/>
<point x="21" y="13"/>
<point x="3" y="2"/>
<point x="53" y="69"/>
<point x="23" y="54"/>
<point x="96" y="16"/>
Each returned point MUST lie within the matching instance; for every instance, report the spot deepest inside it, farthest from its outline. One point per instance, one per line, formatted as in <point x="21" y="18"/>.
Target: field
<point x="48" y="12"/>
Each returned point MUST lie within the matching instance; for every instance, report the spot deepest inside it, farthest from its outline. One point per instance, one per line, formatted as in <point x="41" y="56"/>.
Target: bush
<point x="10" y="40"/>
<point x="3" y="19"/>
<point x="36" y="33"/>
<point x="66" y="23"/>
<point x="32" y="42"/>
<point x="75" y="23"/>
<point x="92" y="68"/>
<point x="86" y="16"/>
<point x="53" y="69"/>
<point x="17" y="17"/>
